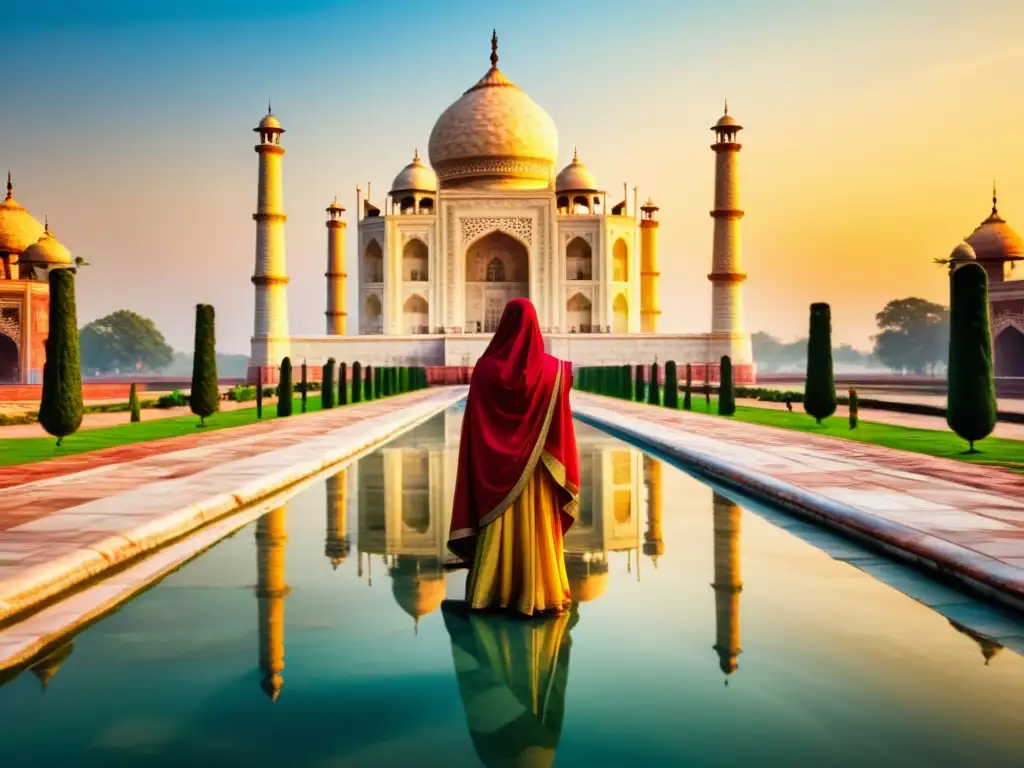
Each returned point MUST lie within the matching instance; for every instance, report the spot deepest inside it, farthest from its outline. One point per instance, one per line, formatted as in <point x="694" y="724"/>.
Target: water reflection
<point x="727" y="584"/>
<point x="271" y="591"/>
<point x="49" y="665"/>
<point x="512" y="675"/>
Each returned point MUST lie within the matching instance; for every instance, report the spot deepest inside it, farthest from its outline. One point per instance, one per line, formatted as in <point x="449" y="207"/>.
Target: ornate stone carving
<point x="1007" y="320"/>
<point x="10" y="322"/>
<point x="450" y="282"/>
<point x="523" y="168"/>
<point x="475" y="226"/>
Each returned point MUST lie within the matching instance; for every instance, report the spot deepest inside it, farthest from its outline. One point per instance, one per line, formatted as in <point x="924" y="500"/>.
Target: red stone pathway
<point x="963" y="517"/>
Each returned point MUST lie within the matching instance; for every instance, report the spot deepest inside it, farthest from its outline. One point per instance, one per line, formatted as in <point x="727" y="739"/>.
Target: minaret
<point x="654" y="546"/>
<point x="271" y="590"/>
<point x="337" y="545"/>
<point x="336" y="277"/>
<point x="270" y="329"/>
<point x="727" y="584"/>
<point x="650" y="307"/>
<point x="726" y="266"/>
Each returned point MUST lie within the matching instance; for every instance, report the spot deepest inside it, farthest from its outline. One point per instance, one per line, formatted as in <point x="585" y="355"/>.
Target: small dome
<point x="587" y="581"/>
<point x="575" y="177"/>
<point x="995" y="240"/>
<point x="47" y="251"/>
<point x="18" y="228"/>
<point x="417" y="592"/>
<point x="727" y="121"/>
<point x="335" y="206"/>
<point x="963" y="252"/>
<point x="494" y="135"/>
<point x="269" y="122"/>
<point x="415" y="177"/>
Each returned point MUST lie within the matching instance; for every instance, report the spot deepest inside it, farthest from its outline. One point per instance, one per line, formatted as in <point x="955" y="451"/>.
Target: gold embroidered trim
<point x="557" y="470"/>
<point x="531" y="465"/>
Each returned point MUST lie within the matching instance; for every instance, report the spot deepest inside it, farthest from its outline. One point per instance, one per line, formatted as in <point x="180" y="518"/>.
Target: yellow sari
<point x="520" y="560"/>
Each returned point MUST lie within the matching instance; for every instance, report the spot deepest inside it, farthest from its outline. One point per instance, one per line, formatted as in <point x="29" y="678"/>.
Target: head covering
<point x="517" y="415"/>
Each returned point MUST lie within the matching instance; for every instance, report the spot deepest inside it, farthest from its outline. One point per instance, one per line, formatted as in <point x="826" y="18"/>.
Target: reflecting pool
<point x="706" y="632"/>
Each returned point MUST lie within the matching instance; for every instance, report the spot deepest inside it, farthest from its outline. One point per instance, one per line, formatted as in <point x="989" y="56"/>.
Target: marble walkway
<point x="962" y="519"/>
<point x="66" y="520"/>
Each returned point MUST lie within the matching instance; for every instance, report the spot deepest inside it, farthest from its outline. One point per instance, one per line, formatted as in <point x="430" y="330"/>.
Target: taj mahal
<point x="488" y="220"/>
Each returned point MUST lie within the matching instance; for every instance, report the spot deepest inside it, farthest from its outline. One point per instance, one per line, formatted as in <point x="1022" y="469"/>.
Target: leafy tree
<point x="133" y="405"/>
<point x="357" y="378"/>
<point x="61" y="407"/>
<point x="971" y="392"/>
<point x="654" y="391"/>
<point x="726" y="391"/>
<point x="913" y="335"/>
<point x="284" y="389"/>
<point x="204" y="398"/>
<point x="820" y="387"/>
<point x="121" y="341"/>
<point x="687" y="393"/>
<point x="671" y="396"/>
<point x="342" y="383"/>
<point x="327" y="385"/>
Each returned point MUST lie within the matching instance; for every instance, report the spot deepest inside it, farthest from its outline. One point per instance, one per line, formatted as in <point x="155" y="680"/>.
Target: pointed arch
<point x="415" y="261"/>
<point x="416" y="314"/>
<point x="620" y="314"/>
<point x="373" y="314"/>
<point x="579" y="260"/>
<point x="579" y="314"/>
<point x="620" y="261"/>
<point x="497" y="271"/>
<point x="1009" y="352"/>
<point x="373" y="262"/>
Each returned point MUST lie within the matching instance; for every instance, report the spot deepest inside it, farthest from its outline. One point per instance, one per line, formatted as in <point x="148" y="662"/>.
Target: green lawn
<point x="994" y="451"/>
<point x="24" y="450"/>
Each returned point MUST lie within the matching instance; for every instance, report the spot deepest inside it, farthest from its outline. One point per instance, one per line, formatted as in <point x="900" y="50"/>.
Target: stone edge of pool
<point x="984" y="575"/>
<point x="38" y="585"/>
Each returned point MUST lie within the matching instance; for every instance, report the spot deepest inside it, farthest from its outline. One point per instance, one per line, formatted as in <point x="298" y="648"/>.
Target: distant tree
<point x="342" y="383"/>
<point x="61" y="407"/>
<point x="204" y="398"/>
<point x="639" y="385"/>
<point x="654" y="390"/>
<point x="121" y="341"/>
<point x="820" y="386"/>
<point x="133" y="405"/>
<point x="284" y="389"/>
<point x="726" y="391"/>
<point x="327" y="384"/>
<point x="687" y="393"/>
<point x="357" y="378"/>
<point x="971" y="392"/>
<point x="913" y="335"/>
<point x="259" y="392"/>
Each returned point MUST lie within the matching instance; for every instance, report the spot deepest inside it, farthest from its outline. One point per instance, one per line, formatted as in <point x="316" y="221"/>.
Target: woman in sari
<point x="518" y="476"/>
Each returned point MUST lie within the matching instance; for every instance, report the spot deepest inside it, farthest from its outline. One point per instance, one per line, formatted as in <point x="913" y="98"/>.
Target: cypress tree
<point x="387" y="382"/>
<point x="688" y="392"/>
<point x="61" y="407"/>
<point x="726" y="391"/>
<point x="368" y="383"/>
<point x="343" y="383"/>
<point x="284" y="389"/>
<point x="654" y="389"/>
<point x="639" y="389"/>
<point x="305" y="385"/>
<point x="854" y="408"/>
<point x="403" y="379"/>
<point x="204" y="398"/>
<point x="820" y="389"/>
<point x="625" y="382"/>
<point x="327" y="385"/>
<point x="671" y="397"/>
<point x="133" y="405"/>
<point x="971" y="399"/>
<point x="259" y="392"/>
<point x="378" y="382"/>
<point x="357" y="378"/>
<point x="394" y="380"/>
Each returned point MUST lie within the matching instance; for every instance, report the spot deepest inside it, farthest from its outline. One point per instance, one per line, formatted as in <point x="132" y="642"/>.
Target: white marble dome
<point x="18" y="228"/>
<point x="415" y="177"/>
<point x="47" y="251"/>
<point x="576" y="177"/>
<point x="494" y="135"/>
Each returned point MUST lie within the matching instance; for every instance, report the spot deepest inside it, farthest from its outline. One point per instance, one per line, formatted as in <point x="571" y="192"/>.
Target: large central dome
<point x="494" y="136"/>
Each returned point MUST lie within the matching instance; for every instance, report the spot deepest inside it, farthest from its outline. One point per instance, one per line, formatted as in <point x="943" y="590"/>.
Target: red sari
<point x="517" y="420"/>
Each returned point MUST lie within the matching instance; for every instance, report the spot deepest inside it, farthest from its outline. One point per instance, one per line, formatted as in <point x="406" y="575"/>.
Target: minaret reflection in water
<point x="727" y="584"/>
<point x="271" y="591"/>
<point x="336" y="543"/>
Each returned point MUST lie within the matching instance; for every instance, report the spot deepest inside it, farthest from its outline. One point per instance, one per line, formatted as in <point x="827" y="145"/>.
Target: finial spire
<point x="269" y="110"/>
<point x="727" y="106"/>
<point x="10" y="187"/>
<point x="494" y="49"/>
<point x="575" y="155"/>
<point x="995" y="199"/>
<point x="416" y="155"/>
<point x="46" y="223"/>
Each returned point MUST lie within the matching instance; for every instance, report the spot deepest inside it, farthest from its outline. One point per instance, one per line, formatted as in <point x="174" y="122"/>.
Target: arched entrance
<point x="10" y="361"/>
<point x="414" y="261"/>
<point x="620" y="261"/>
<point x="578" y="260"/>
<point x="497" y="271"/>
<point x="374" y="321"/>
<point x="579" y="315"/>
<point x="1009" y="352"/>
<point x="373" y="263"/>
<point x="620" y="314"/>
<point x="415" y="314"/>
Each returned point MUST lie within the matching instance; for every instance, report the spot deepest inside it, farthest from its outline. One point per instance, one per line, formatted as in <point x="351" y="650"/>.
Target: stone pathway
<point x="964" y="519"/>
<point x="1009" y="430"/>
<point x="65" y="520"/>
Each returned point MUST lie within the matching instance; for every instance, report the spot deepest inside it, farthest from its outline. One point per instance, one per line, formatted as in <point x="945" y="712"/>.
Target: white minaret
<point x="336" y="277"/>
<point x="270" y="329"/>
<point x="728" y="336"/>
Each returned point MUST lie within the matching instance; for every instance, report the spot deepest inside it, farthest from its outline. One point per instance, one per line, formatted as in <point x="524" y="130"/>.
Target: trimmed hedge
<point x="284" y="389"/>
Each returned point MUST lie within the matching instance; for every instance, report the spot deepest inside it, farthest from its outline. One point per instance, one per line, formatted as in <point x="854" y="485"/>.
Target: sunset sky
<point x="874" y="130"/>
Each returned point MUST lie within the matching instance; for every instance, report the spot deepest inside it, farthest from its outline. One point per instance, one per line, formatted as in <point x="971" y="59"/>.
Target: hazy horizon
<point x="873" y="134"/>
